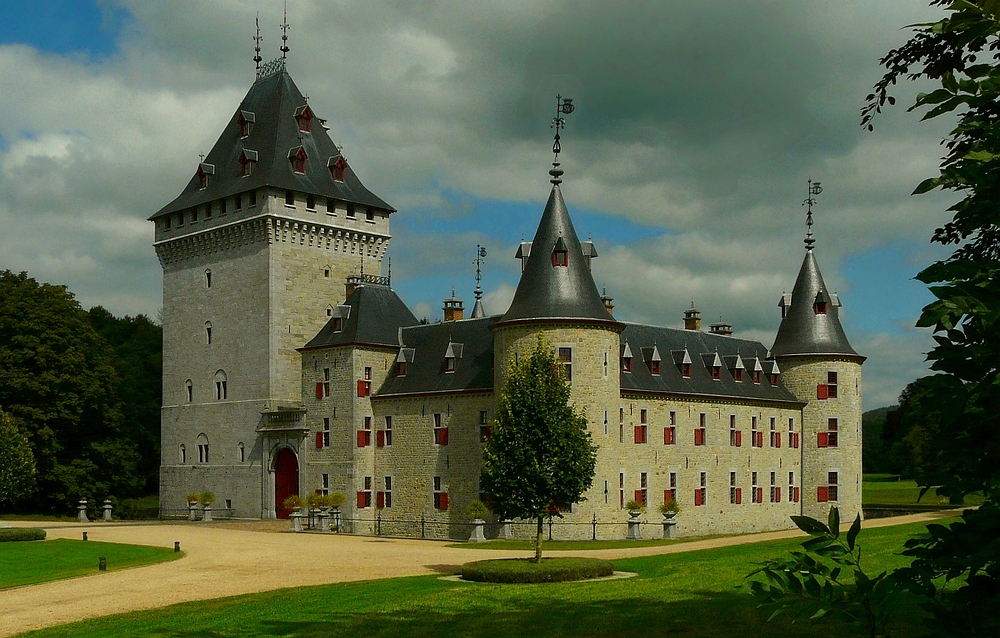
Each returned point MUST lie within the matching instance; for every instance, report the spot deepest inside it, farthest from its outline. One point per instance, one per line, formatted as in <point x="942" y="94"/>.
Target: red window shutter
<point x="795" y="494"/>
<point x="380" y="500"/>
<point x="361" y="388"/>
<point x="638" y="434"/>
<point x="380" y="438"/>
<point x="822" y="494"/>
<point x="823" y="439"/>
<point x="760" y="494"/>
<point x="361" y="499"/>
<point x="699" y="437"/>
<point x="739" y="495"/>
<point x="668" y="436"/>
<point x="319" y="390"/>
<point x="698" y="497"/>
<point x="822" y="391"/>
<point x="638" y="496"/>
<point x="739" y="438"/>
<point x="777" y="495"/>
<point x="777" y="440"/>
<point x="319" y="439"/>
<point x="444" y="500"/>
<point x="362" y="438"/>
<point x="444" y="441"/>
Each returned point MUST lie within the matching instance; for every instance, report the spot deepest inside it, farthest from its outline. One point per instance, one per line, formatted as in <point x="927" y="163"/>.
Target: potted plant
<point x="206" y="499"/>
<point x="670" y="508"/>
<point x="192" y="503"/>
<point x="477" y="511"/>
<point x="315" y="502"/>
<point x="635" y="508"/>
<point x="294" y="503"/>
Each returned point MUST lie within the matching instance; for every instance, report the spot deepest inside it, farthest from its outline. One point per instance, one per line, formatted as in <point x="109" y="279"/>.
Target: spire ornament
<point x="256" y="39"/>
<point x="812" y="189"/>
<point x="480" y="258"/>
<point x="284" y="34"/>
<point x="564" y="106"/>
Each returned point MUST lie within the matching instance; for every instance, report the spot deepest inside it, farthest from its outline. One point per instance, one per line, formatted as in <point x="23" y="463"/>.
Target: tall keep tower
<point x="821" y="368"/>
<point x="255" y="252"/>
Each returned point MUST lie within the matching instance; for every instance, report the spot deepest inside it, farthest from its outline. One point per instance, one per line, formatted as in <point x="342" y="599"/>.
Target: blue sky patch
<point x="63" y="26"/>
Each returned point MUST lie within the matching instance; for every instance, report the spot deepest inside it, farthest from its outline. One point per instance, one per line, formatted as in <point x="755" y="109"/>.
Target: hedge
<point x="12" y="534"/>
<point x="550" y="570"/>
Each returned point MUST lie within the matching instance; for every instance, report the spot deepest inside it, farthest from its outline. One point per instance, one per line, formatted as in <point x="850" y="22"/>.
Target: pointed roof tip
<point x="556" y="291"/>
<point x="805" y="329"/>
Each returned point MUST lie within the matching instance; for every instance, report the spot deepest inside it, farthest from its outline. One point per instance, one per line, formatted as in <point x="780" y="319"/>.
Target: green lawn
<point x="886" y="489"/>
<point x="698" y="594"/>
<point x="573" y="546"/>
<point x="26" y="563"/>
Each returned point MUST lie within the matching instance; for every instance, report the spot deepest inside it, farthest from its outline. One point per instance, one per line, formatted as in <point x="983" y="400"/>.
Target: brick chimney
<point x="453" y="308"/>
<point x="692" y="318"/>
<point x="608" y="302"/>
<point x="353" y="281"/>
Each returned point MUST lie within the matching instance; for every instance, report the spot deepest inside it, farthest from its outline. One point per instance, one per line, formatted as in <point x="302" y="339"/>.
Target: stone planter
<point x="324" y="519"/>
<point x="506" y="530"/>
<point x="477" y="535"/>
<point x="668" y="525"/>
<point x="206" y="514"/>
<point x="107" y="509"/>
<point x="296" y="519"/>
<point x="634" y="527"/>
<point x="81" y="511"/>
<point x="192" y="511"/>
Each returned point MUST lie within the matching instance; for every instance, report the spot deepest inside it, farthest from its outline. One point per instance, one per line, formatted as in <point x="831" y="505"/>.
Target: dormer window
<point x="304" y="117"/>
<point x="654" y="368"/>
<point x="338" y="324"/>
<point x="757" y="376"/>
<point x="738" y="375"/>
<point x="245" y="121"/>
<point x="652" y="358"/>
<point x="247" y="159"/>
<point x="451" y="356"/>
<point x="400" y="368"/>
<point x="449" y="364"/>
<point x="297" y="156"/>
<point x="560" y="253"/>
<point x="686" y="370"/>
<point x="627" y="358"/>
<point x="774" y="379"/>
<point x="716" y="373"/>
<point x="204" y="173"/>
<point x="337" y="164"/>
<point x="819" y="307"/>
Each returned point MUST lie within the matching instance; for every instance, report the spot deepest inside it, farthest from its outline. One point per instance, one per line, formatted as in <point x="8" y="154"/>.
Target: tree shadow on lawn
<point x="705" y="614"/>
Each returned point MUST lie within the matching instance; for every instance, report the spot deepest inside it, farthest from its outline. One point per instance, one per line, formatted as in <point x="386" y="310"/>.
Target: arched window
<point x="202" y="448"/>
<point x="241" y="452"/>
<point x="221" y="392"/>
<point x="208" y="278"/>
<point x="182" y="454"/>
<point x="326" y="271"/>
<point x="189" y="390"/>
<point x="208" y="332"/>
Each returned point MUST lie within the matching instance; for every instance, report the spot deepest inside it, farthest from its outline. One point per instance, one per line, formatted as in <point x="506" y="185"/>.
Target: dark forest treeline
<point x="85" y="388"/>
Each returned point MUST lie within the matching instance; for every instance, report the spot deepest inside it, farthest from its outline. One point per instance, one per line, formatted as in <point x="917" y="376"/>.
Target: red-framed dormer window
<point x="819" y="307"/>
<point x="245" y="121"/>
<point x="626" y="364"/>
<point x="716" y="373"/>
<point x="304" y="117"/>
<point x="686" y="370"/>
<point x="738" y="375"/>
<point x="654" y="368"/>
<point x="337" y="167"/>
<point x="560" y="258"/>
<point x="298" y="159"/>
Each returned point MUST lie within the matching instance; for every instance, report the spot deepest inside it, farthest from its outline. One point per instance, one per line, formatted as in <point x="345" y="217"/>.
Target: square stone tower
<point x="255" y="252"/>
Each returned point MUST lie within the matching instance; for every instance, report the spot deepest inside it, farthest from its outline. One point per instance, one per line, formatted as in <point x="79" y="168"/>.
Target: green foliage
<point x="540" y="455"/>
<point x="14" y="534"/>
<point x="635" y="506"/>
<point x="959" y="54"/>
<point x="337" y="499"/>
<point x="826" y="579"/>
<point x="318" y="501"/>
<point x="58" y="558"/>
<point x="206" y="498"/>
<point x="670" y="507"/>
<point x="477" y="509"/>
<point x="192" y="497"/>
<point x="293" y="502"/>
<point x="17" y="463"/>
<point x="550" y="570"/>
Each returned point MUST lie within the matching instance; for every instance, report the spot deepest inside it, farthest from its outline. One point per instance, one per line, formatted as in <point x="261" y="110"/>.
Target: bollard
<point x="102" y="564"/>
<point x="177" y="546"/>
<point x="594" y="523"/>
<point x="81" y="511"/>
<point x="85" y="536"/>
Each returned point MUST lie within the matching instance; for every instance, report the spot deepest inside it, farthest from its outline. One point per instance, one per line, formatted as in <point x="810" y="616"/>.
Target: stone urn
<point x="81" y="511"/>
<point x="477" y="535"/>
<point x="634" y="525"/>
<point x="193" y="510"/>
<point x="669" y="524"/>
<point x="206" y="513"/>
<point x="107" y="509"/>
<point x="296" y="519"/>
<point x="506" y="530"/>
<point x="324" y="519"/>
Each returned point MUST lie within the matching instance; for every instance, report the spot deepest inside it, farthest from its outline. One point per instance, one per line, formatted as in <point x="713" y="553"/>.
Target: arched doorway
<point x="286" y="480"/>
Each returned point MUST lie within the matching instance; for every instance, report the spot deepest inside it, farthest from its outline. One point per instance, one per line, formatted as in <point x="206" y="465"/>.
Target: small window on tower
<point x="298" y="158"/>
<point x="337" y="164"/>
<point x="208" y="278"/>
<point x="370" y="214"/>
<point x="350" y="210"/>
<point x="560" y="253"/>
<point x="245" y="121"/>
<point x="304" y="117"/>
<point x="289" y="198"/>
<point x="310" y="202"/>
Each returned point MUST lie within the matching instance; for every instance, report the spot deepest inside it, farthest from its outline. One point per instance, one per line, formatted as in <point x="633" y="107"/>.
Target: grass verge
<point x="883" y="489"/>
<point x="523" y="570"/>
<point x="30" y="563"/>
<point x="699" y="594"/>
<point x="576" y="546"/>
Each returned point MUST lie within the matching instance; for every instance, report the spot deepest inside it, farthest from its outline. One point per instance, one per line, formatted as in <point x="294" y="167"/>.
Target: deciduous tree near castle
<point x="540" y="455"/>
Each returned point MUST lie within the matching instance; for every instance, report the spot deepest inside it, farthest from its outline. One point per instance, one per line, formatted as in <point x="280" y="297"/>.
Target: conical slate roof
<point x="272" y="104"/>
<point x="803" y="331"/>
<point x="371" y="315"/>
<point x="556" y="292"/>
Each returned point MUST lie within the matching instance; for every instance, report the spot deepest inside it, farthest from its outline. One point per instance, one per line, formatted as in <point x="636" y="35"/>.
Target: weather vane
<point x="257" y="38"/>
<point x="564" y="106"/>
<point x="480" y="258"/>
<point x="812" y="189"/>
<point x="284" y="34"/>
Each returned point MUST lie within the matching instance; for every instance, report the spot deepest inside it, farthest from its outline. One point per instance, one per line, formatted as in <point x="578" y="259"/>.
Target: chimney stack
<point x="692" y="318"/>
<point x="607" y="301"/>
<point x="721" y="328"/>
<point x="453" y="308"/>
<point x="353" y="281"/>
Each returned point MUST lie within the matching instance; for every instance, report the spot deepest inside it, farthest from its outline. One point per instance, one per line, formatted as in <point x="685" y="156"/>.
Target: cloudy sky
<point x="686" y="160"/>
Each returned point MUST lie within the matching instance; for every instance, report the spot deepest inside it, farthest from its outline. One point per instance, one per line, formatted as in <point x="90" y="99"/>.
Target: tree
<point x="17" y="464"/>
<point x="961" y="54"/>
<point x="540" y="456"/>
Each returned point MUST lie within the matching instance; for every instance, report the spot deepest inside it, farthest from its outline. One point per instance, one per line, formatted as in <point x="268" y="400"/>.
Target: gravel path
<point x="226" y="559"/>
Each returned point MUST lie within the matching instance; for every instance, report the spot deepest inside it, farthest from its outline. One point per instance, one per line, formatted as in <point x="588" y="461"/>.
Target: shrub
<point x="315" y="501"/>
<point x="635" y="506"/>
<point x="477" y="509"/>
<point x="549" y="570"/>
<point x="206" y="498"/>
<point x="670" y="506"/>
<point x="21" y="534"/>
<point x="293" y="502"/>
<point x="193" y="497"/>
<point x="337" y="499"/>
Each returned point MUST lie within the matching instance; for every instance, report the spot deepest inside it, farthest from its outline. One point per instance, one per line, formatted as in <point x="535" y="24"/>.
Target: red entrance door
<point x="286" y="480"/>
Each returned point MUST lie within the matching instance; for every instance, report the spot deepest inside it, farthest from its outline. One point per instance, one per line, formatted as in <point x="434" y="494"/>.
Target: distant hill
<point x="873" y="447"/>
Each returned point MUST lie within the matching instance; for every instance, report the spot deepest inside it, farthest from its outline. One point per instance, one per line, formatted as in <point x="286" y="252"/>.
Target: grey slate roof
<point x="273" y="101"/>
<point x="376" y="314"/>
<point x="703" y="348"/>
<point x="548" y="292"/>
<point x="802" y="331"/>
<point x="470" y="340"/>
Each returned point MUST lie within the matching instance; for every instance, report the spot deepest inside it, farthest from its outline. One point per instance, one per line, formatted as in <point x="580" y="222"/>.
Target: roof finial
<point x="256" y="39"/>
<point x="564" y="106"/>
<point x="480" y="258"/>
<point x="812" y="188"/>
<point x="284" y="34"/>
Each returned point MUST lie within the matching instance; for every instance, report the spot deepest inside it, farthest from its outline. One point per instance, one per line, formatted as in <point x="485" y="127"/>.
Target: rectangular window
<point x="166" y="223"/>
<point x="365" y="435"/>
<point x="253" y="198"/>
<point x="670" y="494"/>
<point x="673" y="418"/>
<point x="194" y="215"/>
<point x="793" y="491"/>
<point x="621" y="490"/>
<point x="387" y="432"/>
<point x="440" y="495"/>
<point x="828" y="492"/>
<point x="485" y="429"/>
<point x="669" y="435"/>
<point x="831" y="384"/>
<point x="566" y="359"/>
<point x="203" y="452"/>
<point x="775" y="435"/>
<point x="331" y="206"/>
<point x="237" y="203"/>
<point x="639" y="434"/>
<point x="365" y="495"/>
<point x="222" y="207"/>
<point x="326" y="432"/>
<point x="289" y="198"/>
<point x="642" y="493"/>
<point x="350" y="210"/>
<point x="735" y="436"/>
<point x="324" y="484"/>
<point x="440" y="432"/>
<point x="369" y="215"/>
<point x="326" y="382"/>
<point x="387" y="499"/>
<point x="310" y="202"/>
<point x="735" y="493"/>
<point x="757" y="492"/>
<point x="699" y="433"/>
<point x="701" y="494"/>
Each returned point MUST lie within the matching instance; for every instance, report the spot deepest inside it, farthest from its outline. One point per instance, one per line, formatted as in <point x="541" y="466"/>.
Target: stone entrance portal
<point x="286" y="480"/>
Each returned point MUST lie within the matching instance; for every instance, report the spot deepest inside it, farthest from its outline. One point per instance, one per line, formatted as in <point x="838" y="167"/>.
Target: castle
<point x="286" y="370"/>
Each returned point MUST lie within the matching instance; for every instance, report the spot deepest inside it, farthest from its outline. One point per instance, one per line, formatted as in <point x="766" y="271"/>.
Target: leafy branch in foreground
<point x="826" y="579"/>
